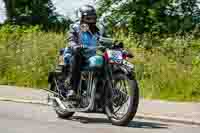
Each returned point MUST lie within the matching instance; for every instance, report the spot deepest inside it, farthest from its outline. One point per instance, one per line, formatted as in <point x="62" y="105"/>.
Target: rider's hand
<point x="118" y="44"/>
<point x="77" y="48"/>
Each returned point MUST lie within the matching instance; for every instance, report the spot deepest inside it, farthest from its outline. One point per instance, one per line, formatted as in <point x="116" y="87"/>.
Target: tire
<point x="134" y="101"/>
<point x="63" y="114"/>
<point x="60" y="113"/>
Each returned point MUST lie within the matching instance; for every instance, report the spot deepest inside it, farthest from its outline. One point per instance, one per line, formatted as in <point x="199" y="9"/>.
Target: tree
<point x="26" y="11"/>
<point x="154" y="16"/>
<point x="35" y="12"/>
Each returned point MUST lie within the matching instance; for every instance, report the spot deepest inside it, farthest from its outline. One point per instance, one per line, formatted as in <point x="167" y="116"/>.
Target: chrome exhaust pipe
<point x="62" y="106"/>
<point x="59" y="102"/>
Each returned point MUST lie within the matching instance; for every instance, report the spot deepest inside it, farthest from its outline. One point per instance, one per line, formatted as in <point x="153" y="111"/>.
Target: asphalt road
<point x="27" y="118"/>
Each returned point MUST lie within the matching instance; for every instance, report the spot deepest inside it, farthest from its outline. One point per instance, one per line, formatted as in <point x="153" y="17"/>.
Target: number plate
<point x="115" y="56"/>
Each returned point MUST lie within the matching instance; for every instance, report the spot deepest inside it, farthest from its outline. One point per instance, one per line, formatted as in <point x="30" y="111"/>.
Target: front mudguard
<point x="130" y="72"/>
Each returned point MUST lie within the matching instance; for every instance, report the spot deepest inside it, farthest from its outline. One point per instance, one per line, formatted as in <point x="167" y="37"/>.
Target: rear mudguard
<point x="51" y="76"/>
<point x="54" y="74"/>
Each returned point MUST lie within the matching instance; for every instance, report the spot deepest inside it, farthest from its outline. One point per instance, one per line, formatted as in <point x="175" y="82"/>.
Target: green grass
<point x="162" y="78"/>
<point x="26" y="56"/>
<point x="169" y="71"/>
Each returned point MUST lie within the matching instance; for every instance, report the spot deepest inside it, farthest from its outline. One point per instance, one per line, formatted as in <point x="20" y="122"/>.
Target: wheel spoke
<point x="121" y="98"/>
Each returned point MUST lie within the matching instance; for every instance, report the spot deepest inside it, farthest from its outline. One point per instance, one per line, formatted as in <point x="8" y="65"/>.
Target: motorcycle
<point x="107" y="85"/>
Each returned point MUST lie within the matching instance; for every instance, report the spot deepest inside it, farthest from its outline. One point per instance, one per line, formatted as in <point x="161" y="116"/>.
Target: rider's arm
<point x="73" y="37"/>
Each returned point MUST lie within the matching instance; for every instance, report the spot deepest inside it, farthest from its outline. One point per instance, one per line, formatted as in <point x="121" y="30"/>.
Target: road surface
<point x="27" y="118"/>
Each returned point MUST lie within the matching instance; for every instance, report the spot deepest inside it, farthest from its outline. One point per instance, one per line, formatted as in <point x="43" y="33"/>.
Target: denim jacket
<point x="74" y="36"/>
<point x="75" y="39"/>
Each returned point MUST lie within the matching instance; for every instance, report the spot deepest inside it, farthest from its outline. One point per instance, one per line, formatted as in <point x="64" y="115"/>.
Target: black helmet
<point x="87" y="10"/>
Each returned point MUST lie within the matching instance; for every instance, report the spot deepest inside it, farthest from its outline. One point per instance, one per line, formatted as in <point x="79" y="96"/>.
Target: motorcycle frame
<point x="91" y="107"/>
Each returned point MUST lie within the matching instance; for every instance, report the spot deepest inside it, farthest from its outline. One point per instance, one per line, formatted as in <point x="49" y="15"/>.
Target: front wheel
<point x="125" y="99"/>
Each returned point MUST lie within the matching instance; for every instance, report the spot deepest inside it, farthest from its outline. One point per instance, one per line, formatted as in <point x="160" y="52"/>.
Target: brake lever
<point x="130" y="55"/>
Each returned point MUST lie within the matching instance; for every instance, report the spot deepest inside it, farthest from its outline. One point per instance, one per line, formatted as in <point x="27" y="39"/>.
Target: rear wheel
<point x="62" y="113"/>
<point x="125" y="99"/>
<point x="52" y="86"/>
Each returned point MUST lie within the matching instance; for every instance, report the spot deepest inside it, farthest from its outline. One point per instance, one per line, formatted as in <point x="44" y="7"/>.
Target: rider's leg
<point x="76" y="74"/>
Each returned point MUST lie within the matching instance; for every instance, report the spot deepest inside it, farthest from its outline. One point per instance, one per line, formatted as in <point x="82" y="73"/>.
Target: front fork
<point x="109" y="84"/>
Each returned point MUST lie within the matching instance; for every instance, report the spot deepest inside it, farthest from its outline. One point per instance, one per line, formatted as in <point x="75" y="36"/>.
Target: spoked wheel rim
<point x="121" y="98"/>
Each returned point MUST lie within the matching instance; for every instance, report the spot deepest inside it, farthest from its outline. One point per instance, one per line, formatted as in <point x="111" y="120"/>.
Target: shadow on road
<point x="148" y="125"/>
<point x="132" y="124"/>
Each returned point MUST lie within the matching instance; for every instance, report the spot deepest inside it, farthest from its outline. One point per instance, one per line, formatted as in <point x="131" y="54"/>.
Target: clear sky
<point x="67" y="7"/>
<point x="2" y="12"/>
<point x="64" y="7"/>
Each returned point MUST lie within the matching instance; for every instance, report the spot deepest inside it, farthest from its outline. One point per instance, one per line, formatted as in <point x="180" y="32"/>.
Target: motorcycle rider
<point x="88" y="17"/>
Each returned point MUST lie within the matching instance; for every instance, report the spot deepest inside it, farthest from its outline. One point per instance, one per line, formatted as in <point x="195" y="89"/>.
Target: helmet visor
<point x="90" y="19"/>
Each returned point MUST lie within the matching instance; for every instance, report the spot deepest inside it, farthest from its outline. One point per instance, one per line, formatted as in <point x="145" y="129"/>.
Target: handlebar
<point x="108" y="43"/>
<point x="102" y="48"/>
<point x="94" y="48"/>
